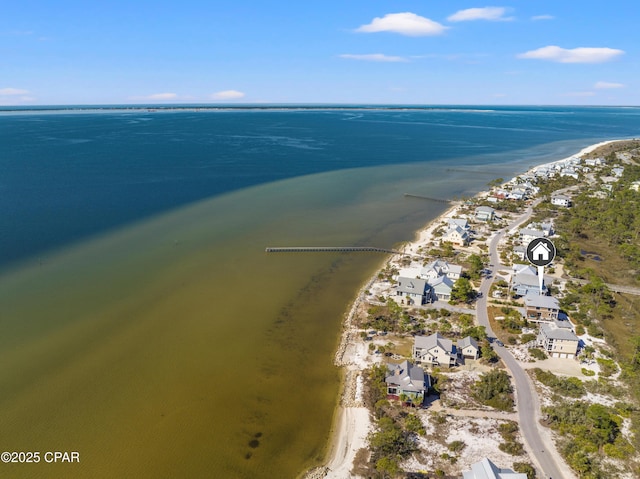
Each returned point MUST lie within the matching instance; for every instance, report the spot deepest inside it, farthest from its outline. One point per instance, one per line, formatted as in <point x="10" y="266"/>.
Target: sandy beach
<point x="352" y="422"/>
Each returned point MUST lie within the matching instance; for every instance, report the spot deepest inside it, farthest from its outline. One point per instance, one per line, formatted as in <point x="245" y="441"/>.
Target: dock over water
<point x="325" y="249"/>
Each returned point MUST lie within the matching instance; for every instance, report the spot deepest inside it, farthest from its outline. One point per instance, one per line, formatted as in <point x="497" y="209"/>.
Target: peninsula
<point x="452" y="353"/>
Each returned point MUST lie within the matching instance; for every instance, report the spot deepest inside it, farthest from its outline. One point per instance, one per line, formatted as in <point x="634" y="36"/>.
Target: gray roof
<point x="531" y="232"/>
<point x="484" y="209"/>
<point x="551" y="331"/>
<point x="560" y="197"/>
<point x="463" y="223"/>
<point x="539" y="301"/>
<point x="442" y="266"/>
<point x="468" y="341"/>
<point x="525" y="279"/>
<point x="442" y="284"/>
<point x="486" y="469"/>
<point x="412" y="285"/>
<point x="430" y="342"/>
<point x="409" y="377"/>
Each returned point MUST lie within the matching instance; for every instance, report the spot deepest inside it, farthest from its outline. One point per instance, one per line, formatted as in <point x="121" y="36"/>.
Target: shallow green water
<point x="179" y="348"/>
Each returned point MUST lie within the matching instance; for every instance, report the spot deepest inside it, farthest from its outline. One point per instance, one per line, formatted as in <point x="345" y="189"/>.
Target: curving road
<point x="544" y="453"/>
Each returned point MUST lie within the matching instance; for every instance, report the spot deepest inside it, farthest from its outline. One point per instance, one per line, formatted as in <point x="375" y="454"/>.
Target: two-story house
<point x="434" y="350"/>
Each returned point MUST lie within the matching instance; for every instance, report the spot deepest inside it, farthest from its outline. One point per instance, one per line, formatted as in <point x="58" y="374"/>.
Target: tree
<point x="476" y="265"/>
<point x="462" y="290"/>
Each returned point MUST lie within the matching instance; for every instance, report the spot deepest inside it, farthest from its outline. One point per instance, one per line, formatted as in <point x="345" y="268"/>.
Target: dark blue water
<point x="68" y="175"/>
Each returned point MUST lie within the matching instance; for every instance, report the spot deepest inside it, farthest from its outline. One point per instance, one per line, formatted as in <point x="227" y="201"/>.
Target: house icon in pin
<point x="541" y="252"/>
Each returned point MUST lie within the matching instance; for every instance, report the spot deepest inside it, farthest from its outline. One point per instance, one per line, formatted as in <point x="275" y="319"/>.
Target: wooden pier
<point x="438" y="200"/>
<point x="330" y="249"/>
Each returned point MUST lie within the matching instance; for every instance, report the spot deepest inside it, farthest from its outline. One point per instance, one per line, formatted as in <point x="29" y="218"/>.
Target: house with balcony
<point x="415" y="291"/>
<point x="558" y="342"/>
<point x="541" y="308"/>
<point x="407" y="379"/>
<point x="434" y="350"/>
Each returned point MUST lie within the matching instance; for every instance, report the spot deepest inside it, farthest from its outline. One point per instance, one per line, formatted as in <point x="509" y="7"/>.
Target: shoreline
<point x="346" y="435"/>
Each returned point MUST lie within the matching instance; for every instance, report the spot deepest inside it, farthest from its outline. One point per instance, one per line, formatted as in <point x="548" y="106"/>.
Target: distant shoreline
<point x="151" y="108"/>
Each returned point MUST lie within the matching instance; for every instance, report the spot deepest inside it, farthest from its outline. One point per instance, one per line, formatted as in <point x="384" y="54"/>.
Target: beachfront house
<point x="434" y="350"/>
<point x="541" y="308"/>
<point x="558" y="342"/>
<point x="406" y="379"/>
<point x="484" y="213"/>
<point x="413" y="290"/>
<point x="467" y="348"/>
<point x="486" y="469"/>
<point x="457" y="236"/>
<point x="561" y="200"/>
<point x="461" y="222"/>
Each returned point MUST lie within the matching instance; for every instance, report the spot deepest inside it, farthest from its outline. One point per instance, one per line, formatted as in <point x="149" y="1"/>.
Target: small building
<point x="413" y="290"/>
<point x="434" y="350"/>
<point x="468" y="348"/>
<point x="406" y="379"/>
<point x="541" y="308"/>
<point x="561" y="200"/>
<point x="485" y="213"/>
<point x="457" y="236"/>
<point x="557" y="342"/>
<point x="486" y="469"/>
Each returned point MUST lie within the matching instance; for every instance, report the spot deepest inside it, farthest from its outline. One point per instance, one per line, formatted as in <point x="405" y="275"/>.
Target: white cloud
<point x="406" y="23"/>
<point x="13" y="91"/>
<point x="486" y="13"/>
<point x="575" y="55"/>
<point x="374" y="57"/>
<point x="542" y="17"/>
<point x="605" y="85"/>
<point x="227" y="95"/>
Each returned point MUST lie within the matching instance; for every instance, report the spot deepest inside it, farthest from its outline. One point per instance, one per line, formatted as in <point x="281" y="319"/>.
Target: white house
<point x="457" y="235"/>
<point x="528" y="235"/>
<point x="444" y="268"/>
<point x="561" y="200"/>
<point x="435" y="350"/>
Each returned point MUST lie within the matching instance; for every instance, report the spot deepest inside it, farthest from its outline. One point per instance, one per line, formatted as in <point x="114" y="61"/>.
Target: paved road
<point x="526" y="397"/>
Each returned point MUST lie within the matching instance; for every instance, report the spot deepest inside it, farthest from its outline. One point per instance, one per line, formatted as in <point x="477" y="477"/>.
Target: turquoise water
<point x="143" y="324"/>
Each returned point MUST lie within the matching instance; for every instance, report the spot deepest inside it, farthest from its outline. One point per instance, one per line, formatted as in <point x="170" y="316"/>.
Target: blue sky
<point x="349" y="51"/>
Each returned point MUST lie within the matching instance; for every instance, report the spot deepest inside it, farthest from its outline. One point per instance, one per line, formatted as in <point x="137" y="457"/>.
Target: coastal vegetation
<point x="599" y="246"/>
<point x="494" y="389"/>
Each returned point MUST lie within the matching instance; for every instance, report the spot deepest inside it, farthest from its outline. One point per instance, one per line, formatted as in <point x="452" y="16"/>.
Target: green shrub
<point x="588" y="372"/>
<point x="456" y="446"/>
<point x="537" y="353"/>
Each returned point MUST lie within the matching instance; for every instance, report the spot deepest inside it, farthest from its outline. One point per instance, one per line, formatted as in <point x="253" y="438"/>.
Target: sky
<point x="539" y="52"/>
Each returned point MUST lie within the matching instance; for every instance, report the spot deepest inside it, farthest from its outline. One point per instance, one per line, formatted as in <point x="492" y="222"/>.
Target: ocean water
<point x="144" y="326"/>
